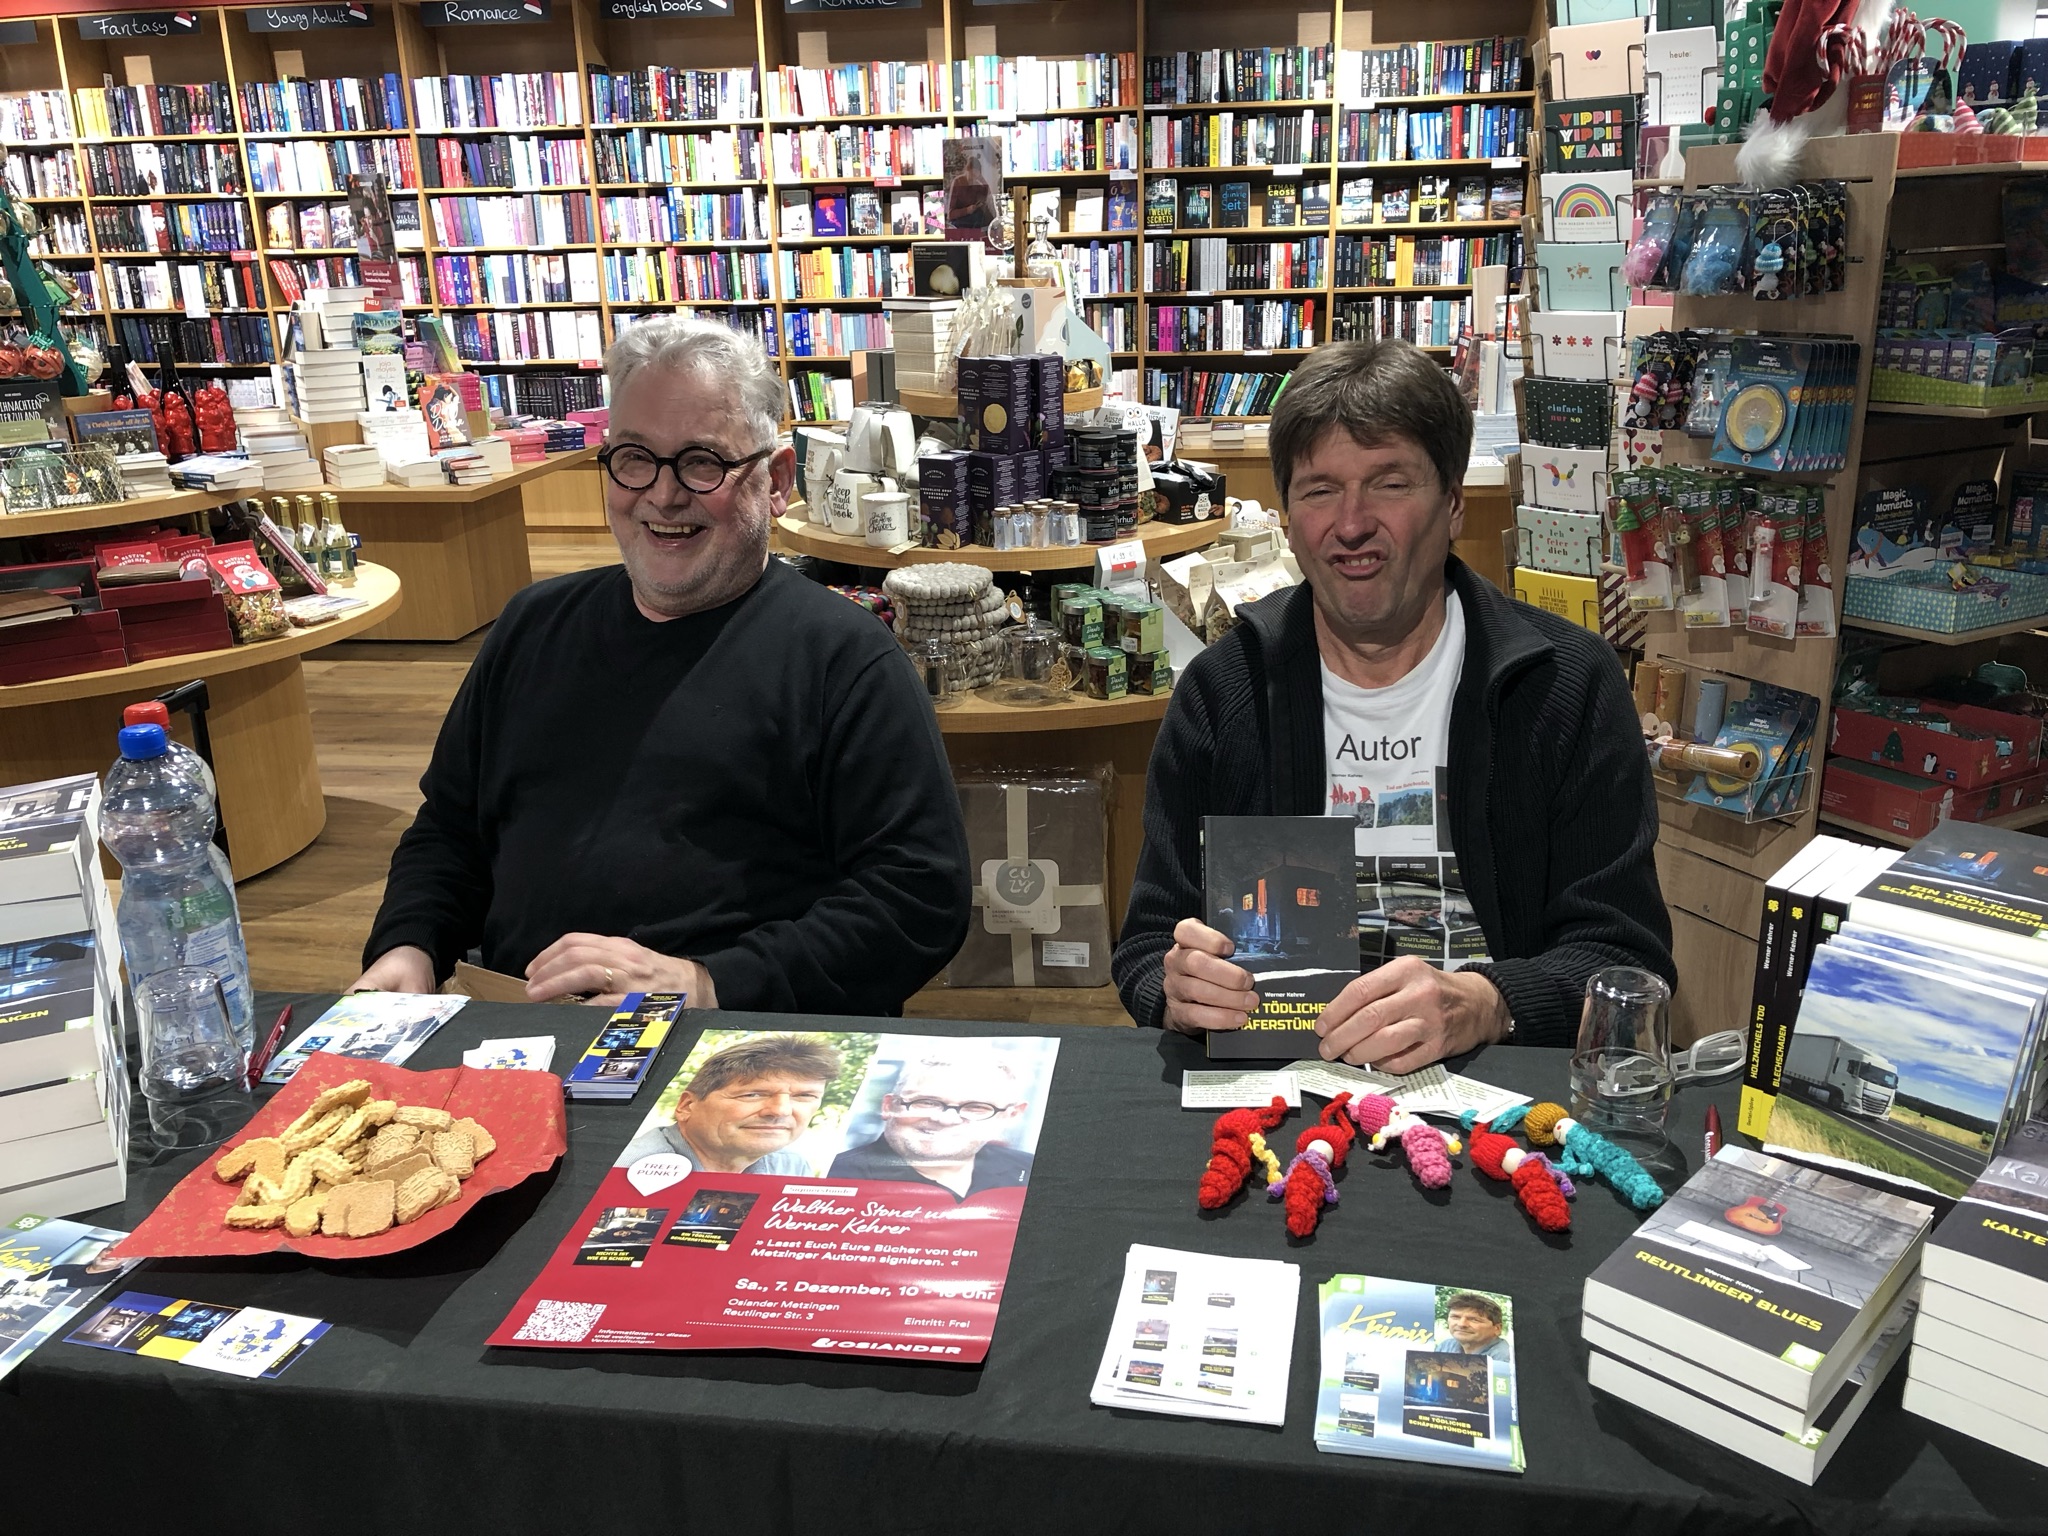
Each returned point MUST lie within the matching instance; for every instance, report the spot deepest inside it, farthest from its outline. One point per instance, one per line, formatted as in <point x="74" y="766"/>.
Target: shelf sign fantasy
<point x="478" y="13"/>
<point x="815" y="1192"/>
<point x="306" y="18"/>
<point x="640" y="10"/>
<point x="140" y="24"/>
<point x="852" y="5"/>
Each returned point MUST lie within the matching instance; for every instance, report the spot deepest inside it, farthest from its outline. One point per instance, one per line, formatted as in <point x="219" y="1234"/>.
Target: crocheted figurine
<point x="1429" y="1150"/>
<point x="1310" y="1182"/>
<point x="1238" y="1142"/>
<point x="1539" y="1189"/>
<point x="1584" y="1151"/>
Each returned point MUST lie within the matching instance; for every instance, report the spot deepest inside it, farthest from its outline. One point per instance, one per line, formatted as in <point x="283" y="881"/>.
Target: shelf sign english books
<point x="477" y="13"/>
<point x="306" y="18"/>
<point x="640" y="10"/>
<point x="140" y="24"/>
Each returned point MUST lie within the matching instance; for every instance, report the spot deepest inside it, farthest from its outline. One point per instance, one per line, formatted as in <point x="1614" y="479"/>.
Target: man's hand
<point x="1203" y="989"/>
<point x="602" y="970"/>
<point x="407" y="968"/>
<point x="1407" y="1014"/>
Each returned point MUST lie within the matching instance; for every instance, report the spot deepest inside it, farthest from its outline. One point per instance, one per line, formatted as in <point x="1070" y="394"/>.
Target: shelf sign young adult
<point x="306" y="18"/>
<point x="139" y="24"/>
<point x="640" y="10"/>
<point x="852" y="5"/>
<point x="480" y="13"/>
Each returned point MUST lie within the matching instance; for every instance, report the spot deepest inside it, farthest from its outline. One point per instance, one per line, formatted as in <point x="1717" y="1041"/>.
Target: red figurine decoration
<point x="1310" y="1182"/>
<point x="1238" y="1141"/>
<point x="1429" y="1150"/>
<point x="1539" y="1189"/>
<point x="214" y="416"/>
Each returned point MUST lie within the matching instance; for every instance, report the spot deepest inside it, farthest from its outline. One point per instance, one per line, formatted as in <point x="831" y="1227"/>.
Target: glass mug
<point x="195" y="1074"/>
<point x="1621" y="1069"/>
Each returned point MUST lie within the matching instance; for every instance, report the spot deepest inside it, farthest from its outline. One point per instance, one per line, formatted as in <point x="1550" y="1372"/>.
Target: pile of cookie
<point x="352" y="1166"/>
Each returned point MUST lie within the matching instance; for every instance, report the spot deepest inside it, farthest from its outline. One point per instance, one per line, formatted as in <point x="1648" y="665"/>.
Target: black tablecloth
<point x="402" y="1414"/>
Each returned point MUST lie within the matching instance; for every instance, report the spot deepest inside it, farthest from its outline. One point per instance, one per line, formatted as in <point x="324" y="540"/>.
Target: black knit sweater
<point x="1550" y="805"/>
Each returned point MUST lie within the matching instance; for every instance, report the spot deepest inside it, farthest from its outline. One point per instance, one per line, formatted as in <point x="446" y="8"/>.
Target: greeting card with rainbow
<point x="1587" y="205"/>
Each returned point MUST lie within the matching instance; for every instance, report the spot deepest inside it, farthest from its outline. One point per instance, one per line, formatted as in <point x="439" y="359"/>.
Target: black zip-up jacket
<point x="1550" y="804"/>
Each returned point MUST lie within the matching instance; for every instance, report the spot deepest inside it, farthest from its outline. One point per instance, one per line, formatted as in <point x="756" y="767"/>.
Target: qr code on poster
<point x="560" y="1322"/>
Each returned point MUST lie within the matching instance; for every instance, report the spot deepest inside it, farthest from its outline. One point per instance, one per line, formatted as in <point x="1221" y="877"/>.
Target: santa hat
<point x="1804" y="102"/>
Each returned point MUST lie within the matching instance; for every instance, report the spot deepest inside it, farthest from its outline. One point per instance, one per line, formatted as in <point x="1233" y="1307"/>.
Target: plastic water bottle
<point x="176" y="909"/>
<point x="151" y="712"/>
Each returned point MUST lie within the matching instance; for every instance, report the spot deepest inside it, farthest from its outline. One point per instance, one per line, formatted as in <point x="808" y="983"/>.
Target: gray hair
<point x="982" y="1066"/>
<point x="685" y="342"/>
<point x="1375" y="391"/>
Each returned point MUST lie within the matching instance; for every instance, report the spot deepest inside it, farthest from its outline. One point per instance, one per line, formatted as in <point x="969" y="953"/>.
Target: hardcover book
<point x="378" y="331"/>
<point x="1197" y="206"/>
<point x="122" y="431"/>
<point x="795" y="212"/>
<point x="828" y="211"/>
<point x="1418" y="1372"/>
<point x="1315" y="204"/>
<point x="1234" y="205"/>
<point x="1122" y="208"/>
<point x="1162" y="202"/>
<point x="864" y="214"/>
<point x="1355" y="202"/>
<point x="1285" y="890"/>
<point x="1777" y="1275"/>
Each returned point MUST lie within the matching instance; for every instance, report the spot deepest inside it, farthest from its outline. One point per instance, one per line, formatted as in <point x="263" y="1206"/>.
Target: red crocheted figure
<point x="1239" y="1137"/>
<point x="1310" y="1183"/>
<point x="1539" y="1189"/>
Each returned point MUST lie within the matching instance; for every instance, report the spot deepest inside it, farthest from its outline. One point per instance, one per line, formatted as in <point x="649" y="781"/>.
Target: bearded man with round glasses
<point x="946" y="1121"/>
<point x="697" y="771"/>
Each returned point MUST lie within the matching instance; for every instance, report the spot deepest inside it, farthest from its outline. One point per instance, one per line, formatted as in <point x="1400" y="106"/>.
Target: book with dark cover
<point x="1122" y="208"/>
<point x="122" y="431"/>
<point x="1315" y="203"/>
<point x="1197" y="206"/>
<point x="1972" y="885"/>
<point x="828" y="211"/>
<point x="1162" y="202"/>
<point x="1285" y="891"/>
<point x="1234" y="205"/>
<point x="1994" y="1244"/>
<point x="1775" y="1274"/>
<point x="1283" y="206"/>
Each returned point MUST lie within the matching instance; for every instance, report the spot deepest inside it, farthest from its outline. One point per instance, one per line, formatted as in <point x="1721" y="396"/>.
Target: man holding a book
<point x="693" y="772"/>
<point x="1487" y="753"/>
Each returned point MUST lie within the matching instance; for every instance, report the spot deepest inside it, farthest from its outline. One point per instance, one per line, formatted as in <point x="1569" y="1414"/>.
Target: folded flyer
<point x="1200" y="1336"/>
<point x="371" y="1026"/>
<point x="242" y="1341"/>
<point x="49" y="1273"/>
<point x="1418" y="1372"/>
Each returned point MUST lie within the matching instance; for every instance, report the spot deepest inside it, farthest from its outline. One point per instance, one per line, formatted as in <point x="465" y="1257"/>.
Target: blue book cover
<point x="1418" y="1372"/>
<point x="49" y="1272"/>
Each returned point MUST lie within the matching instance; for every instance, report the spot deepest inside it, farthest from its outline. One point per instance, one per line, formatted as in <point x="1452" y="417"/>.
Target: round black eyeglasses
<point x="634" y="468"/>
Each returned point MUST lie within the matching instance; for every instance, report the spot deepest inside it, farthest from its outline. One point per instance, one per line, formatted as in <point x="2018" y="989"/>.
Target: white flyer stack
<point x="63" y="1077"/>
<point x="1200" y="1336"/>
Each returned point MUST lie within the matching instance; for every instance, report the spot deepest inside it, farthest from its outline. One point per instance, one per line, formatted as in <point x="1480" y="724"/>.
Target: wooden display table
<point x="459" y="550"/>
<point x="797" y="535"/>
<point x="261" y="727"/>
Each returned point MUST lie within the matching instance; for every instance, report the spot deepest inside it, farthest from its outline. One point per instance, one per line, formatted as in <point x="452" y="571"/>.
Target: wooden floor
<point x="376" y="709"/>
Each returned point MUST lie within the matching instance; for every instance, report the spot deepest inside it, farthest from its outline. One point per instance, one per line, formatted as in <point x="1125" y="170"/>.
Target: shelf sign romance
<point x="140" y="24"/>
<point x="818" y="1192"/>
<point x="460" y="13"/>
<point x="307" y="18"/>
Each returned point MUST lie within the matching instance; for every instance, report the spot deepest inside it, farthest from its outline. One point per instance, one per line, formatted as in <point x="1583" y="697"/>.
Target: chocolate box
<point x="1041" y="914"/>
<point x="943" y="498"/>
<point x="1909" y="806"/>
<point x="1004" y="422"/>
<point x="991" y="483"/>
<point x="1959" y="744"/>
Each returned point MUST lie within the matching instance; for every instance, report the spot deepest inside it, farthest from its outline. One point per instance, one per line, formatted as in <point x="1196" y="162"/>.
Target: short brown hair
<point x="1472" y="1301"/>
<point x="804" y="1056"/>
<point x="1374" y="390"/>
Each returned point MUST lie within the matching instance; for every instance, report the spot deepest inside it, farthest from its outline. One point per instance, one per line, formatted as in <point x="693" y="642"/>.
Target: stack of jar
<point x="1113" y="644"/>
<point x="957" y="605"/>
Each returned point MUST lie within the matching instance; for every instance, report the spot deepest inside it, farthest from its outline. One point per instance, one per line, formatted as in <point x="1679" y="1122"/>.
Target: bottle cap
<point x="148" y="712"/>
<point x="142" y="741"/>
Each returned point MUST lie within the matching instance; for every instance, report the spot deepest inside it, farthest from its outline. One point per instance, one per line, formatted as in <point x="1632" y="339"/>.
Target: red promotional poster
<point x="820" y="1193"/>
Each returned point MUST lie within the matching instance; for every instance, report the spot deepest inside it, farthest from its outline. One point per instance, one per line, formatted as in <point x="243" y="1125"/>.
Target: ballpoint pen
<point x="261" y="1059"/>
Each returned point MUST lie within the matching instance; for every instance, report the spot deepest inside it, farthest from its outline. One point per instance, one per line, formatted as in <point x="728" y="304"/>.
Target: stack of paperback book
<point x="218" y="472"/>
<point x="465" y="466"/>
<point x="617" y="1062"/>
<point x="1200" y="1336"/>
<point x="1980" y="1349"/>
<point x="1759" y="1307"/>
<point x="63" y="1077"/>
<point x="922" y="330"/>
<point x="145" y="474"/>
<point x="353" y="466"/>
<point x="280" y="448"/>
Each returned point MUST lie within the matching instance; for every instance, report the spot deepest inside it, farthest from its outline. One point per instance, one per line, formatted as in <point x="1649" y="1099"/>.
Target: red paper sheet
<point x="521" y="1110"/>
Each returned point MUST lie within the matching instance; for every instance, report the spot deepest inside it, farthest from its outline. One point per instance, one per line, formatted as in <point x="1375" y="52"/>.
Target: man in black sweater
<point x="1487" y="752"/>
<point x="695" y="773"/>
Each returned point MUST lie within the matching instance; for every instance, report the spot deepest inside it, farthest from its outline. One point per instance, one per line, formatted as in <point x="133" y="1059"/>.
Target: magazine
<point x="49" y="1273"/>
<point x="1418" y="1372"/>
<point x="788" y="1189"/>
<point x="373" y="1026"/>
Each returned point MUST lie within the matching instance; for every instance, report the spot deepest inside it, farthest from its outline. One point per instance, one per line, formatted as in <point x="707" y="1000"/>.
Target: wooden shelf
<point x="455" y="494"/>
<point x="972" y="715"/>
<point x="1958" y="412"/>
<point x="2011" y="821"/>
<point x="1961" y="637"/>
<point x="1161" y="541"/>
<point x="1235" y="106"/>
<point x="375" y="585"/>
<point x="140" y="509"/>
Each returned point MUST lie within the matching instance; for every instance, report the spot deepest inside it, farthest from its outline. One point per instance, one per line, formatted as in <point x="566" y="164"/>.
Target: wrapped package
<point x="1037" y="851"/>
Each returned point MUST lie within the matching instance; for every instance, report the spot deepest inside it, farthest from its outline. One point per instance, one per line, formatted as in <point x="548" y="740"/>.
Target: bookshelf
<point x="640" y="166"/>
